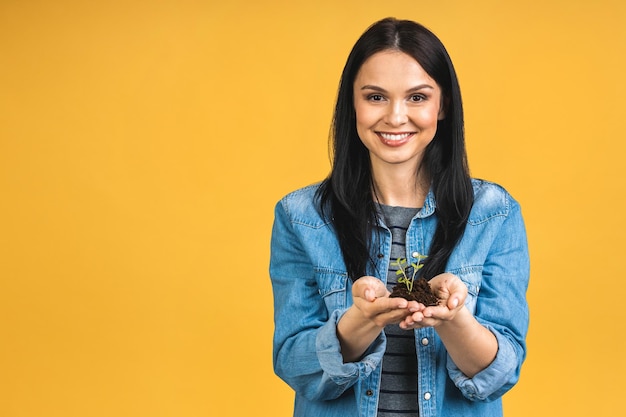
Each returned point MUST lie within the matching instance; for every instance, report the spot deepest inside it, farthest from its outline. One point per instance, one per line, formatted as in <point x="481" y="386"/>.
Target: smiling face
<point x="397" y="106"/>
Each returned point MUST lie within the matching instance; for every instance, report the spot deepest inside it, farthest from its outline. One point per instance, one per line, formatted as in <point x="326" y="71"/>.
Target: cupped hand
<point x="371" y="298"/>
<point x="451" y="292"/>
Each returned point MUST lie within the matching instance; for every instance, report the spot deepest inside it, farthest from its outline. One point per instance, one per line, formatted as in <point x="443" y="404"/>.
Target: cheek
<point x="426" y="117"/>
<point x="361" y="132"/>
<point x="365" y="116"/>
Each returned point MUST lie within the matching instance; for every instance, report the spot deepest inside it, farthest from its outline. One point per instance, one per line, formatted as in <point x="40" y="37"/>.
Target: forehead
<point x="392" y="67"/>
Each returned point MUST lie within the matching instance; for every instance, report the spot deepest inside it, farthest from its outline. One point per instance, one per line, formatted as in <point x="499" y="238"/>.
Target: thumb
<point x="370" y="294"/>
<point x="453" y="302"/>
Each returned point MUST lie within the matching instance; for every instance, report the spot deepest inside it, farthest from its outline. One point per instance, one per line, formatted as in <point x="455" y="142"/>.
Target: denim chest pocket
<point x="472" y="278"/>
<point x="333" y="286"/>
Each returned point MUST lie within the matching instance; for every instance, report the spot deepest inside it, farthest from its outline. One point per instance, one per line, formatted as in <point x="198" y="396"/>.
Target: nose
<point x="397" y="114"/>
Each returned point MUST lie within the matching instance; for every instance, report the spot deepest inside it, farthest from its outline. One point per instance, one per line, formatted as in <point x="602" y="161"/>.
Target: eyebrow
<point x="382" y="90"/>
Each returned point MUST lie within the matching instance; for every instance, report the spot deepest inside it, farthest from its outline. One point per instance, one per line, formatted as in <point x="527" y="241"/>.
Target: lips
<point x="394" y="139"/>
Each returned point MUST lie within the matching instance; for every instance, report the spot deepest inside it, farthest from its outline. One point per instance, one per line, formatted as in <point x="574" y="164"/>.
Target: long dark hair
<point x="346" y="196"/>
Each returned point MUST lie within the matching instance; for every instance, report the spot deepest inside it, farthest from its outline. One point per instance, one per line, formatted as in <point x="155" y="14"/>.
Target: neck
<point x="401" y="187"/>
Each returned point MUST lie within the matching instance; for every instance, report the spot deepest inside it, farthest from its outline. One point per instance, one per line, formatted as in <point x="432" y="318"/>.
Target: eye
<point x="375" y="97"/>
<point x="417" y="98"/>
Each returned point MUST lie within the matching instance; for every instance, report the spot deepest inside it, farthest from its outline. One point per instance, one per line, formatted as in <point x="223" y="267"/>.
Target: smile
<point x="394" y="136"/>
<point x="395" y="139"/>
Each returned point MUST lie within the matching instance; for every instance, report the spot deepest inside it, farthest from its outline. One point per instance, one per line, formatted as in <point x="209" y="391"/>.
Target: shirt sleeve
<point x="306" y="350"/>
<point x="502" y="308"/>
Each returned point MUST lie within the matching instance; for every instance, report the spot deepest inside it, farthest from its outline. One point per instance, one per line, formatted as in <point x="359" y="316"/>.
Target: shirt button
<point x="415" y="254"/>
<point x="427" y="396"/>
<point x="380" y="256"/>
<point x="369" y="392"/>
<point x="425" y="341"/>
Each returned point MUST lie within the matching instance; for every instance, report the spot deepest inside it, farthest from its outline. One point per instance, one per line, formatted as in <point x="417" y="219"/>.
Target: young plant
<point x="402" y="263"/>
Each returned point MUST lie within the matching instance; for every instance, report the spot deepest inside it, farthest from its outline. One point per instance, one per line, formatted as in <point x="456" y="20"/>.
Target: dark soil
<point x="421" y="293"/>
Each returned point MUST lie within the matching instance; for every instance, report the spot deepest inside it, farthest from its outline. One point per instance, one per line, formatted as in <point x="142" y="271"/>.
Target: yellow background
<point x="143" y="145"/>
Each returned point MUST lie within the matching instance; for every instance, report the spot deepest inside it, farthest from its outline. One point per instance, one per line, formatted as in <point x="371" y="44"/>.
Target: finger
<point x="437" y="312"/>
<point x="415" y="321"/>
<point x="417" y="317"/>
<point x="414" y="306"/>
<point x="407" y="324"/>
<point x="370" y="294"/>
<point x="429" y="322"/>
<point x="453" y="302"/>
<point x="395" y="303"/>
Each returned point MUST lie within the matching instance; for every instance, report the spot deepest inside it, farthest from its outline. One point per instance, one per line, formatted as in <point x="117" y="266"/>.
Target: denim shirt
<point x="312" y="291"/>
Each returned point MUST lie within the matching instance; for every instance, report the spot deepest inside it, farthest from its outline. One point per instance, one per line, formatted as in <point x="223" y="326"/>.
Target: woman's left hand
<point x="451" y="292"/>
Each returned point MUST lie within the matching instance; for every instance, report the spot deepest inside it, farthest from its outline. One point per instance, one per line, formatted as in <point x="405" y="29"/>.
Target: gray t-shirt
<point x="398" y="388"/>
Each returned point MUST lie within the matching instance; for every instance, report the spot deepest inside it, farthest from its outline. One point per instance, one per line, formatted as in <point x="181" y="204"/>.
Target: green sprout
<point x="402" y="263"/>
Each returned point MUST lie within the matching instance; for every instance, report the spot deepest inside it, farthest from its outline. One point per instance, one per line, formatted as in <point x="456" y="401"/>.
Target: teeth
<point x="390" y="136"/>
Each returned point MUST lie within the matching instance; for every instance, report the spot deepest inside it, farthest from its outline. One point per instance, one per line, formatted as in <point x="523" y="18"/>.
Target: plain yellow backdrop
<point x="143" y="145"/>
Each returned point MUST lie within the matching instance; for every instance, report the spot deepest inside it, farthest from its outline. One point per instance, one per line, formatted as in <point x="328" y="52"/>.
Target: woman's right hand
<point x="371" y="298"/>
<point x="371" y="311"/>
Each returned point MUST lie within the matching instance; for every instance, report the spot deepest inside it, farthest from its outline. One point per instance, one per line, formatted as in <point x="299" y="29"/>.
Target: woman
<point x="399" y="188"/>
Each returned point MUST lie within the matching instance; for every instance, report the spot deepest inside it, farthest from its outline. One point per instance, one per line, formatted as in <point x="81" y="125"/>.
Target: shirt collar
<point x="429" y="205"/>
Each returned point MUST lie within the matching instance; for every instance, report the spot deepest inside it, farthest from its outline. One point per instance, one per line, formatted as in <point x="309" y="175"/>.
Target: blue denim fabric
<point x="312" y="291"/>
